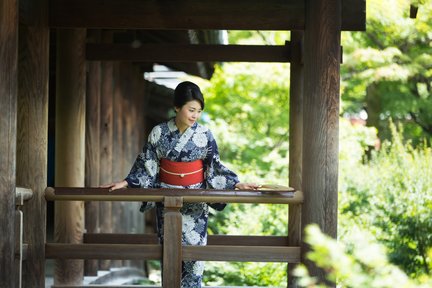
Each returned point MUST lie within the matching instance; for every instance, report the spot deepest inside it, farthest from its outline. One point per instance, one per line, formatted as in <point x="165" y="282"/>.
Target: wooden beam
<point x="195" y="14"/>
<point x="32" y="141"/>
<point x="188" y="53"/>
<point x="8" y="134"/>
<point x="242" y="253"/>
<point x="102" y="251"/>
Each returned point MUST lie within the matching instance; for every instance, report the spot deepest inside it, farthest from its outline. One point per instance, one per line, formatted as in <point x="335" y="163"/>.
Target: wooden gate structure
<point x="72" y="54"/>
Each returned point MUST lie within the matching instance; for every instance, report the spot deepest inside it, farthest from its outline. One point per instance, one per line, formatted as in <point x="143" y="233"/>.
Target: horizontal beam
<point x="195" y="14"/>
<point x="242" y="253"/>
<point x="188" y="53"/>
<point x="103" y="251"/>
<point x="233" y="240"/>
<point x="189" y="195"/>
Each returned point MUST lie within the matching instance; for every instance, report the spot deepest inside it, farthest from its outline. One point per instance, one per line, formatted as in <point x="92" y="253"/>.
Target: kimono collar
<point x="173" y="127"/>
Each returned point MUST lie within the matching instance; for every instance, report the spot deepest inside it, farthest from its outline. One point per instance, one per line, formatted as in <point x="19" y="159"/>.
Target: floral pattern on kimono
<point x="196" y="142"/>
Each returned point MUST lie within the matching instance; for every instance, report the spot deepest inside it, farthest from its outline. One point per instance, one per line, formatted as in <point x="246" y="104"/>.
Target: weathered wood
<point x="296" y="143"/>
<point x="195" y="14"/>
<point x="242" y="253"/>
<point x="233" y="240"/>
<point x="70" y="148"/>
<point x="188" y="53"/>
<point x="92" y="156"/>
<point x="32" y="142"/>
<point x="8" y="134"/>
<point x="172" y="244"/>
<point x="321" y="119"/>
<point x="106" y="140"/>
<point x="103" y="251"/>
<point x="157" y="195"/>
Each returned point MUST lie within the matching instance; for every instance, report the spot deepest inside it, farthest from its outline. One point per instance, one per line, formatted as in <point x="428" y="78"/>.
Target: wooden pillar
<point x="295" y="142"/>
<point x="172" y="246"/>
<point x="321" y="118"/>
<point x="92" y="156"/>
<point x="8" y="108"/>
<point x="32" y="138"/>
<point x="69" y="147"/>
<point x="106" y="140"/>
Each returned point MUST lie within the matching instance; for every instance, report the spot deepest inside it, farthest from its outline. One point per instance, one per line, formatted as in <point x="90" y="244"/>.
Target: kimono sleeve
<point x="217" y="175"/>
<point x="145" y="170"/>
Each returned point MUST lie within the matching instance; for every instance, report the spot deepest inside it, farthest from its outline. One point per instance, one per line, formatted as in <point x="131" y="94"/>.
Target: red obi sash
<point x="181" y="173"/>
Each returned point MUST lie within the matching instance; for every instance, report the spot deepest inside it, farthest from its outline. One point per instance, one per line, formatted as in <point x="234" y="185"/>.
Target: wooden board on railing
<point x="189" y="195"/>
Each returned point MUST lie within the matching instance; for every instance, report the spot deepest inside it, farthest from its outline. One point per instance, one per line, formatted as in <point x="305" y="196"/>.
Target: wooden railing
<point x="145" y="246"/>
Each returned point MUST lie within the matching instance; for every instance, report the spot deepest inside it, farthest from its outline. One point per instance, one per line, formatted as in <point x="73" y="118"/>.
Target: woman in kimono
<point x="181" y="153"/>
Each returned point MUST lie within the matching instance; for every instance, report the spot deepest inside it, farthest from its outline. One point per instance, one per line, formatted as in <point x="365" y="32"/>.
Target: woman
<point x="181" y="153"/>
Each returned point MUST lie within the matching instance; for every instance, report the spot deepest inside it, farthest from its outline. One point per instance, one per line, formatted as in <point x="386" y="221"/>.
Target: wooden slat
<point x="102" y="251"/>
<point x="195" y="14"/>
<point x="189" y="196"/>
<point x="188" y="53"/>
<point x="242" y="253"/>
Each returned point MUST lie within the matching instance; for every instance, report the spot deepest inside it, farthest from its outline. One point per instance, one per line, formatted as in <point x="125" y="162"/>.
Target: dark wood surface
<point x="32" y="138"/>
<point x="195" y="14"/>
<point x="8" y="134"/>
<point x="321" y="119"/>
<point x="188" y="53"/>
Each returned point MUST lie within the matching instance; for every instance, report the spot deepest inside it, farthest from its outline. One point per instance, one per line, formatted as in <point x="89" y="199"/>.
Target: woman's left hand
<point x="247" y="186"/>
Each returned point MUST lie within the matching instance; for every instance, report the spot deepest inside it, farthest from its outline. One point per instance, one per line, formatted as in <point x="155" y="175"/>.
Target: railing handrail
<point x="188" y="195"/>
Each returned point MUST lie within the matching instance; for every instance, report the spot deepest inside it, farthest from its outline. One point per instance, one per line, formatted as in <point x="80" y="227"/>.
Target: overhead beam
<point x="188" y="53"/>
<point x="195" y="14"/>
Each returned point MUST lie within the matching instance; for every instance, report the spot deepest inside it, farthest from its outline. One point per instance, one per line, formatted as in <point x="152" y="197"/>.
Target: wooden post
<point x="69" y="147"/>
<point x="31" y="170"/>
<point x="321" y="119"/>
<point x="106" y="141"/>
<point x="295" y="142"/>
<point x="92" y="156"/>
<point x="8" y="108"/>
<point x="172" y="246"/>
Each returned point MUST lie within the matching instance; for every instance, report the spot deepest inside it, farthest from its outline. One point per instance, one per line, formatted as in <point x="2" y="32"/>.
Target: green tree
<point x="387" y="70"/>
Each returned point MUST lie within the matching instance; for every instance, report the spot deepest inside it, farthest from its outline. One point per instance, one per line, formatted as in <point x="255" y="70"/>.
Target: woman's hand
<point x="247" y="186"/>
<point x="116" y="185"/>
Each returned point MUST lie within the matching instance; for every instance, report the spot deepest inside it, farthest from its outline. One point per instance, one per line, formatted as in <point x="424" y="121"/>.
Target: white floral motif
<point x="155" y="135"/>
<point x="200" y="139"/>
<point x="192" y="238"/>
<point x="201" y="129"/>
<point x="218" y="182"/>
<point x="151" y="167"/>
<point x="188" y="223"/>
<point x="198" y="268"/>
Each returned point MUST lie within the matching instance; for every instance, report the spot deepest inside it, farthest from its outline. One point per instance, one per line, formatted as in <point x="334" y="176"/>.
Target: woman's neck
<point x="180" y="127"/>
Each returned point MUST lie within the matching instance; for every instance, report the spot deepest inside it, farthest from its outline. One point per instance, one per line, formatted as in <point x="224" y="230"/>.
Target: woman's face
<point x="188" y="114"/>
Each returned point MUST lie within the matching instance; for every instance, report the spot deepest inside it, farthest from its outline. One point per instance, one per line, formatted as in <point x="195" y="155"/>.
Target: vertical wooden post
<point x="69" y="147"/>
<point x="92" y="156"/>
<point x="8" y="108"/>
<point x="172" y="245"/>
<point x="32" y="138"/>
<point x="321" y="118"/>
<point x="106" y="141"/>
<point x="295" y="142"/>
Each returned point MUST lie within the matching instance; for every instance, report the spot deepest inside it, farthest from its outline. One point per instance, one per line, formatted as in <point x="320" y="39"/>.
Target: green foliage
<point x="392" y="196"/>
<point x="361" y="265"/>
<point x="387" y="70"/>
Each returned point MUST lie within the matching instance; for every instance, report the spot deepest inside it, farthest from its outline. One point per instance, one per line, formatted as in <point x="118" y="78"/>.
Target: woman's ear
<point x="176" y="109"/>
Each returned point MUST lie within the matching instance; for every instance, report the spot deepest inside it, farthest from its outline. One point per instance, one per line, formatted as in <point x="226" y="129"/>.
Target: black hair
<point x="187" y="91"/>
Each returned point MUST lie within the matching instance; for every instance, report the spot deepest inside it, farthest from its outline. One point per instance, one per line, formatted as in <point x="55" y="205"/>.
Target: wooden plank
<point x="69" y="146"/>
<point x="92" y="144"/>
<point x="195" y="14"/>
<point x="190" y="195"/>
<point x="188" y="53"/>
<point x="242" y="253"/>
<point x="32" y="142"/>
<point x="8" y="135"/>
<point x="172" y="243"/>
<point x="321" y="119"/>
<point x="102" y="251"/>
<point x="296" y="143"/>
<point x="240" y="240"/>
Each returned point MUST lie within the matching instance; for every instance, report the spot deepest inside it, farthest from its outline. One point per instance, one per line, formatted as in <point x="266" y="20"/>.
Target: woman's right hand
<point x="115" y="186"/>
